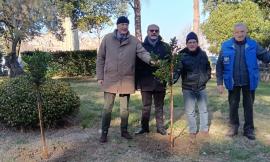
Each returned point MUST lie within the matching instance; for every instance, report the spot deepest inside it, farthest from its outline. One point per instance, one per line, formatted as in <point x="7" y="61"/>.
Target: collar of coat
<point x="193" y="53"/>
<point x="146" y="41"/>
<point x="240" y="42"/>
<point x="125" y="41"/>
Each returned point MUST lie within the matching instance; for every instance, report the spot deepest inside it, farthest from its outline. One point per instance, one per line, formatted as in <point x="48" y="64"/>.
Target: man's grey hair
<point x="152" y="25"/>
<point x="240" y="25"/>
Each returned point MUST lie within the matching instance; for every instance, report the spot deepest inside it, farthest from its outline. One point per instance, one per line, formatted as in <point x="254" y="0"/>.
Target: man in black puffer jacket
<point x="150" y="86"/>
<point x="195" y="71"/>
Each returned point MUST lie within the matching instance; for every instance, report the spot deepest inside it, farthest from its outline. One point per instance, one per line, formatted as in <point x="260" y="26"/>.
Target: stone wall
<point x="48" y="42"/>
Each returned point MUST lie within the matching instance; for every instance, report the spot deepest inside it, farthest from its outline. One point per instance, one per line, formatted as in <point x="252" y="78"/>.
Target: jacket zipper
<point x="239" y="72"/>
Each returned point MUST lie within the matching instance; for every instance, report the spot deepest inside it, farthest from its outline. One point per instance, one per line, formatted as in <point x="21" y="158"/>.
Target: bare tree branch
<point x="131" y="3"/>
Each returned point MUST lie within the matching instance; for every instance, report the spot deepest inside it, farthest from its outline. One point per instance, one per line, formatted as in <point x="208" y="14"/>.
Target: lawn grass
<point x="225" y="149"/>
<point x="217" y="148"/>
<point x="92" y="101"/>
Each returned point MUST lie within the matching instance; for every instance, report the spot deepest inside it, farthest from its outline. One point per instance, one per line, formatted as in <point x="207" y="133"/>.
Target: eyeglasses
<point x="192" y="42"/>
<point x="123" y="24"/>
<point x="152" y="30"/>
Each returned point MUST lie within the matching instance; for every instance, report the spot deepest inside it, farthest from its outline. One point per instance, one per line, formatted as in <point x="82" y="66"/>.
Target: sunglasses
<point x="152" y="31"/>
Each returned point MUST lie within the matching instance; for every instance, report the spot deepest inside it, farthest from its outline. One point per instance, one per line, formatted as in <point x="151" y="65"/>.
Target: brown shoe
<point x="126" y="135"/>
<point x="203" y="134"/>
<point x="233" y="131"/>
<point x="103" y="138"/>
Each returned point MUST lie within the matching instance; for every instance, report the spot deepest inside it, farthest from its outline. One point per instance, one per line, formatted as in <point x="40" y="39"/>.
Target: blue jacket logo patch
<point x="226" y="60"/>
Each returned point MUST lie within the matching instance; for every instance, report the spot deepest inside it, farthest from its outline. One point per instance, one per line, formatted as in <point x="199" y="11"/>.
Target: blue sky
<point x="172" y="16"/>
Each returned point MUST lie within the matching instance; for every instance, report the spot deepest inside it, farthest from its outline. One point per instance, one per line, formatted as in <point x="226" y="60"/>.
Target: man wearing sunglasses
<point x="151" y="88"/>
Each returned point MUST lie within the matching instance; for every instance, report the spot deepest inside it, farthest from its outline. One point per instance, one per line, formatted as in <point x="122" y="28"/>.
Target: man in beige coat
<point x="115" y="70"/>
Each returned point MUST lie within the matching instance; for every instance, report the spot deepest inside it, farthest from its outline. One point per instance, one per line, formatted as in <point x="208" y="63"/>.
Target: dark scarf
<point x="121" y="37"/>
<point x="153" y="42"/>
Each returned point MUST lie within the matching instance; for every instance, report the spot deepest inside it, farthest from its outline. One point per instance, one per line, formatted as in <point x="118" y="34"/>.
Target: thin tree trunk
<point x="43" y="139"/>
<point x="137" y="13"/>
<point x="76" y="40"/>
<point x="14" y="44"/>
<point x="196" y="16"/>
<point x="171" y="103"/>
<point x="19" y="47"/>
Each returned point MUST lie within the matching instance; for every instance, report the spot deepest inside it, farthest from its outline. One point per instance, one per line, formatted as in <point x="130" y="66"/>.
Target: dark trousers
<point x="107" y="111"/>
<point x="248" y="100"/>
<point x="147" y="97"/>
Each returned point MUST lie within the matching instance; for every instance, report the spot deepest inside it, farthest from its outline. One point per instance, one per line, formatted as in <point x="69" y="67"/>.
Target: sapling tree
<point x="36" y="66"/>
<point x="165" y="73"/>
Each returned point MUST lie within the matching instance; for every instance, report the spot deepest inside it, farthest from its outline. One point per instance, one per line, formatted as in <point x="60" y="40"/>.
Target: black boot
<point x="126" y="135"/>
<point x="103" y="138"/>
<point x="250" y="134"/>
<point x="161" y="131"/>
<point x="144" y="127"/>
<point x="159" y="119"/>
<point x="142" y="131"/>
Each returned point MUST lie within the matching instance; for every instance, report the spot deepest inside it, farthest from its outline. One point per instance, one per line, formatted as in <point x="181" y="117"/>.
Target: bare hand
<point x="176" y="50"/>
<point x="220" y="89"/>
<point x="154" y="63"/>
<point x="100" y="82"/>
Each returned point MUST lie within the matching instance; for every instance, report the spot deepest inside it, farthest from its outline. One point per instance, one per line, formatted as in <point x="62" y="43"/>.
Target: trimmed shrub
<point x="71" y="63"/>
<point x="18" y="105"/>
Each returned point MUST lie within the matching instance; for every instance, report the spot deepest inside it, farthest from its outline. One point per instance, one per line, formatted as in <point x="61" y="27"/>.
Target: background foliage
<point x="71" y="63"/>
<point x="219" y="26"/>
<point x="18" y="102"/>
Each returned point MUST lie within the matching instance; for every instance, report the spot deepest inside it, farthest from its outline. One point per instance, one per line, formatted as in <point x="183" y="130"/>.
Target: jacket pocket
<point x="128" y="69"/>
<point x="255" y="78"/>
<point x="204" y="78"/>
<point x="192" y="76"/>
<point x="191" y="79"/>
<point x="109" y="67"/>
<point x="228" y="82"/>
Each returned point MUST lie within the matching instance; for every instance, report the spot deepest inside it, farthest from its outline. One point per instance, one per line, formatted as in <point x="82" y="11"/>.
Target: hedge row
<point x="71" y="63"/>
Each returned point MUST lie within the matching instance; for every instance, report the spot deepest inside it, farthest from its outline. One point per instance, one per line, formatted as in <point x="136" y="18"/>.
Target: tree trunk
<point x="12" y="61"/>
<point x="137" y="13"/>
<point x="41" y="125"/>
<point x="171" y="103"/>
<point x="76" y="41"/>
<point x="196" y="16"/>
<point x="19" y="47"/>
<point x="71" y="38"/>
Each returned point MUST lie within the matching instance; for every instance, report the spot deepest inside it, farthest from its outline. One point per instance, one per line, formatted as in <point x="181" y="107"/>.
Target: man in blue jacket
<point x="237" y="66"/>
